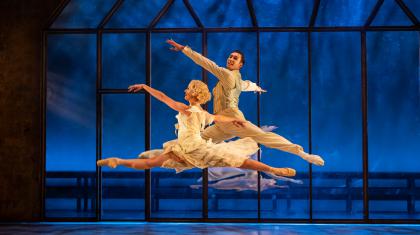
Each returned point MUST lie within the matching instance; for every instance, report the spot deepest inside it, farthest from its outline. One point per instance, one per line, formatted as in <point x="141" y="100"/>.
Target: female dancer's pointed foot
<point x="312" y="158"/>
<point x="110" y="162"/>
<point x="288" y="172"/>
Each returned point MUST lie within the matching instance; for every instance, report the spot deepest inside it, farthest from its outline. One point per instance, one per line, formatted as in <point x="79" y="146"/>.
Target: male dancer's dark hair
<point x="242" y="56"/>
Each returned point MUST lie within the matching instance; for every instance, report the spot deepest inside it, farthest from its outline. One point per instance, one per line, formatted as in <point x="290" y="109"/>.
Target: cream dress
<point x="194" y="151"/>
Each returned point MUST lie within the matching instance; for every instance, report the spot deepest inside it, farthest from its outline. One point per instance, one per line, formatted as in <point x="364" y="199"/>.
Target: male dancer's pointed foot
<point x="312" y="158"/>
<point x="109" y="162"/>
<point x="288" y="172"/>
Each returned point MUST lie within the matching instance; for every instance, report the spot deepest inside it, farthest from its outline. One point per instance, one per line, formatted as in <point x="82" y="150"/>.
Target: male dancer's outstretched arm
<point x="224" y="75"/>
<point x="247" y="85"/>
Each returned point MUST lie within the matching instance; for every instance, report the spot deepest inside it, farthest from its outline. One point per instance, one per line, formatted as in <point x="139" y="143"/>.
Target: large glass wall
<point x="284" y="74"/>
<point x="283" y="13"/>
<point x="123" y="60"/>
<point x="336" y="125"/>
<point x="83" y="14"/>
<point x="123" y="130"/>
<point x="123" y="189"/>
<point x="394" y="124"/>
<point x="214" y="13"/>
<point x="71" y="126"/>
<point x="135" y="14"/>
<point x="344" y="13"/>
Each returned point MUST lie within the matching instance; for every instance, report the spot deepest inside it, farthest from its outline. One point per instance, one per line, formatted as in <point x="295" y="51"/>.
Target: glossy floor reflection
<point x="203" y="228"/>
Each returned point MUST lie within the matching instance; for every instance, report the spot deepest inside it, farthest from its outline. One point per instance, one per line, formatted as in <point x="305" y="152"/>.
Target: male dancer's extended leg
<point x="251" y="164"/>
<point x="215" y="134"/>
<point x="268" y="139"/>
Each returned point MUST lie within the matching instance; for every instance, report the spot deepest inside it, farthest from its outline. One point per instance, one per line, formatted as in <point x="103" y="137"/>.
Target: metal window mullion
<point x="252" y="13"/>
<point x="56" y="13"/>
<point x="147" y="127"/>
<point x="98" y="123"/>
<point x="258" y="123"/>
<point x="205" y="185"/>
<point x="240" y="29"/>
<point x="374" y="12"/>
<point x="109" y="15"/>
<point x="364" y="127"/>
<point x="314" y="14"/>
<point x="310" y="124"/>
<point x="408" y="12"/>
<point x="161" y="13"/>
<point x="193" y="14"/>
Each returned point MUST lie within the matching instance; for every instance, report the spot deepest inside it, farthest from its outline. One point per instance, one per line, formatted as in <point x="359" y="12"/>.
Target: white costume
<point x="194" y="151"/>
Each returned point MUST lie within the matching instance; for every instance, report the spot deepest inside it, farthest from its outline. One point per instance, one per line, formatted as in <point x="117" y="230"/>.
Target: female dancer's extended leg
<point x="143" y="164"/>
<point x="138" y="164"/>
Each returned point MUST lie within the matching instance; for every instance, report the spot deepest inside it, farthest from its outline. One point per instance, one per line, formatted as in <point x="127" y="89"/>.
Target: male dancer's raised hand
<point x="175" y="45"/>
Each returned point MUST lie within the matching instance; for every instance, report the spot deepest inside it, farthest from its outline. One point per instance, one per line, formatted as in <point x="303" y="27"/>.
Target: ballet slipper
<point x="289" y="172"/>
<point x="312" y="158"/>
<point x="110" y="162"/>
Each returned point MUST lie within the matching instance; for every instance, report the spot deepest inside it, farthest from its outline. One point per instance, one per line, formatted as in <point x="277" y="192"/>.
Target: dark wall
<point x="21" y="24"/>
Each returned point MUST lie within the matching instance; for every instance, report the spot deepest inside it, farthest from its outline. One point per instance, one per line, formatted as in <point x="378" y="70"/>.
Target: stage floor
<point x="204" y="228"/>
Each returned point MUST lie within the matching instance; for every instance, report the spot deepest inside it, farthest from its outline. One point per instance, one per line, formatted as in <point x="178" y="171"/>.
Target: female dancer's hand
<point x="136" y="87"/>
<point x="175" y="45"/>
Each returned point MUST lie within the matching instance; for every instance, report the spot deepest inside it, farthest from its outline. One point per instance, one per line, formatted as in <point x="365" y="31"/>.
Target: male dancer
<point x="226" y="99"/>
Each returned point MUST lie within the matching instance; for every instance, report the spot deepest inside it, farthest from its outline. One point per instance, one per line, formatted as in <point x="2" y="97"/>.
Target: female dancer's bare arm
<point x="175" y="105"/>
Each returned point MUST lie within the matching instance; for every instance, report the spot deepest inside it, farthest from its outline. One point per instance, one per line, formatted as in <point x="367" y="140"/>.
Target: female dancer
<point x="190" y="150"/>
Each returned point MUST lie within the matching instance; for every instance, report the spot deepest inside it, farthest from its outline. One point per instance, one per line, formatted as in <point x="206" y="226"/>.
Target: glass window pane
<point x="172" y="18"/>
<point x="229" y="203"/>
<point x="123" y="60"/>
<point x="70" y="126"/>
<point x="172" y="196"/>
<point x="83" y="14"/>
<point x="284" y="73"/>
<point x="283" y="13"/>
<point x="214" y="13"/>
<point x="390" y="14"/>
<point x="135" y="14"/>
<point x="344" y="12"/>
<point x="414" y="6"/>
<point x="393" y="124"/>
<point x="123" y="135"/>
<point x="337" y="125"/>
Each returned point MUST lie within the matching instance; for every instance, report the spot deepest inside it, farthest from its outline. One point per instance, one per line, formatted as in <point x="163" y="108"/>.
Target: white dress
<point x="194" y="151"/>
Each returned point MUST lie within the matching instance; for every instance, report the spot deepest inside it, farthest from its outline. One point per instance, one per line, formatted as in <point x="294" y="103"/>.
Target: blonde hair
<point x="200" y="91"/>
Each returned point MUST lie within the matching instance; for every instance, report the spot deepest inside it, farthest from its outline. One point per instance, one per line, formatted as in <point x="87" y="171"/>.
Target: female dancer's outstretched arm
<point x="175" y="105"/>
<point x="178" y="106"/>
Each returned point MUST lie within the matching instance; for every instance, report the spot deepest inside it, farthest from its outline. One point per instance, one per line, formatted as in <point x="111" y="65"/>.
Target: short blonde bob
<point x="200" y="91"/>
